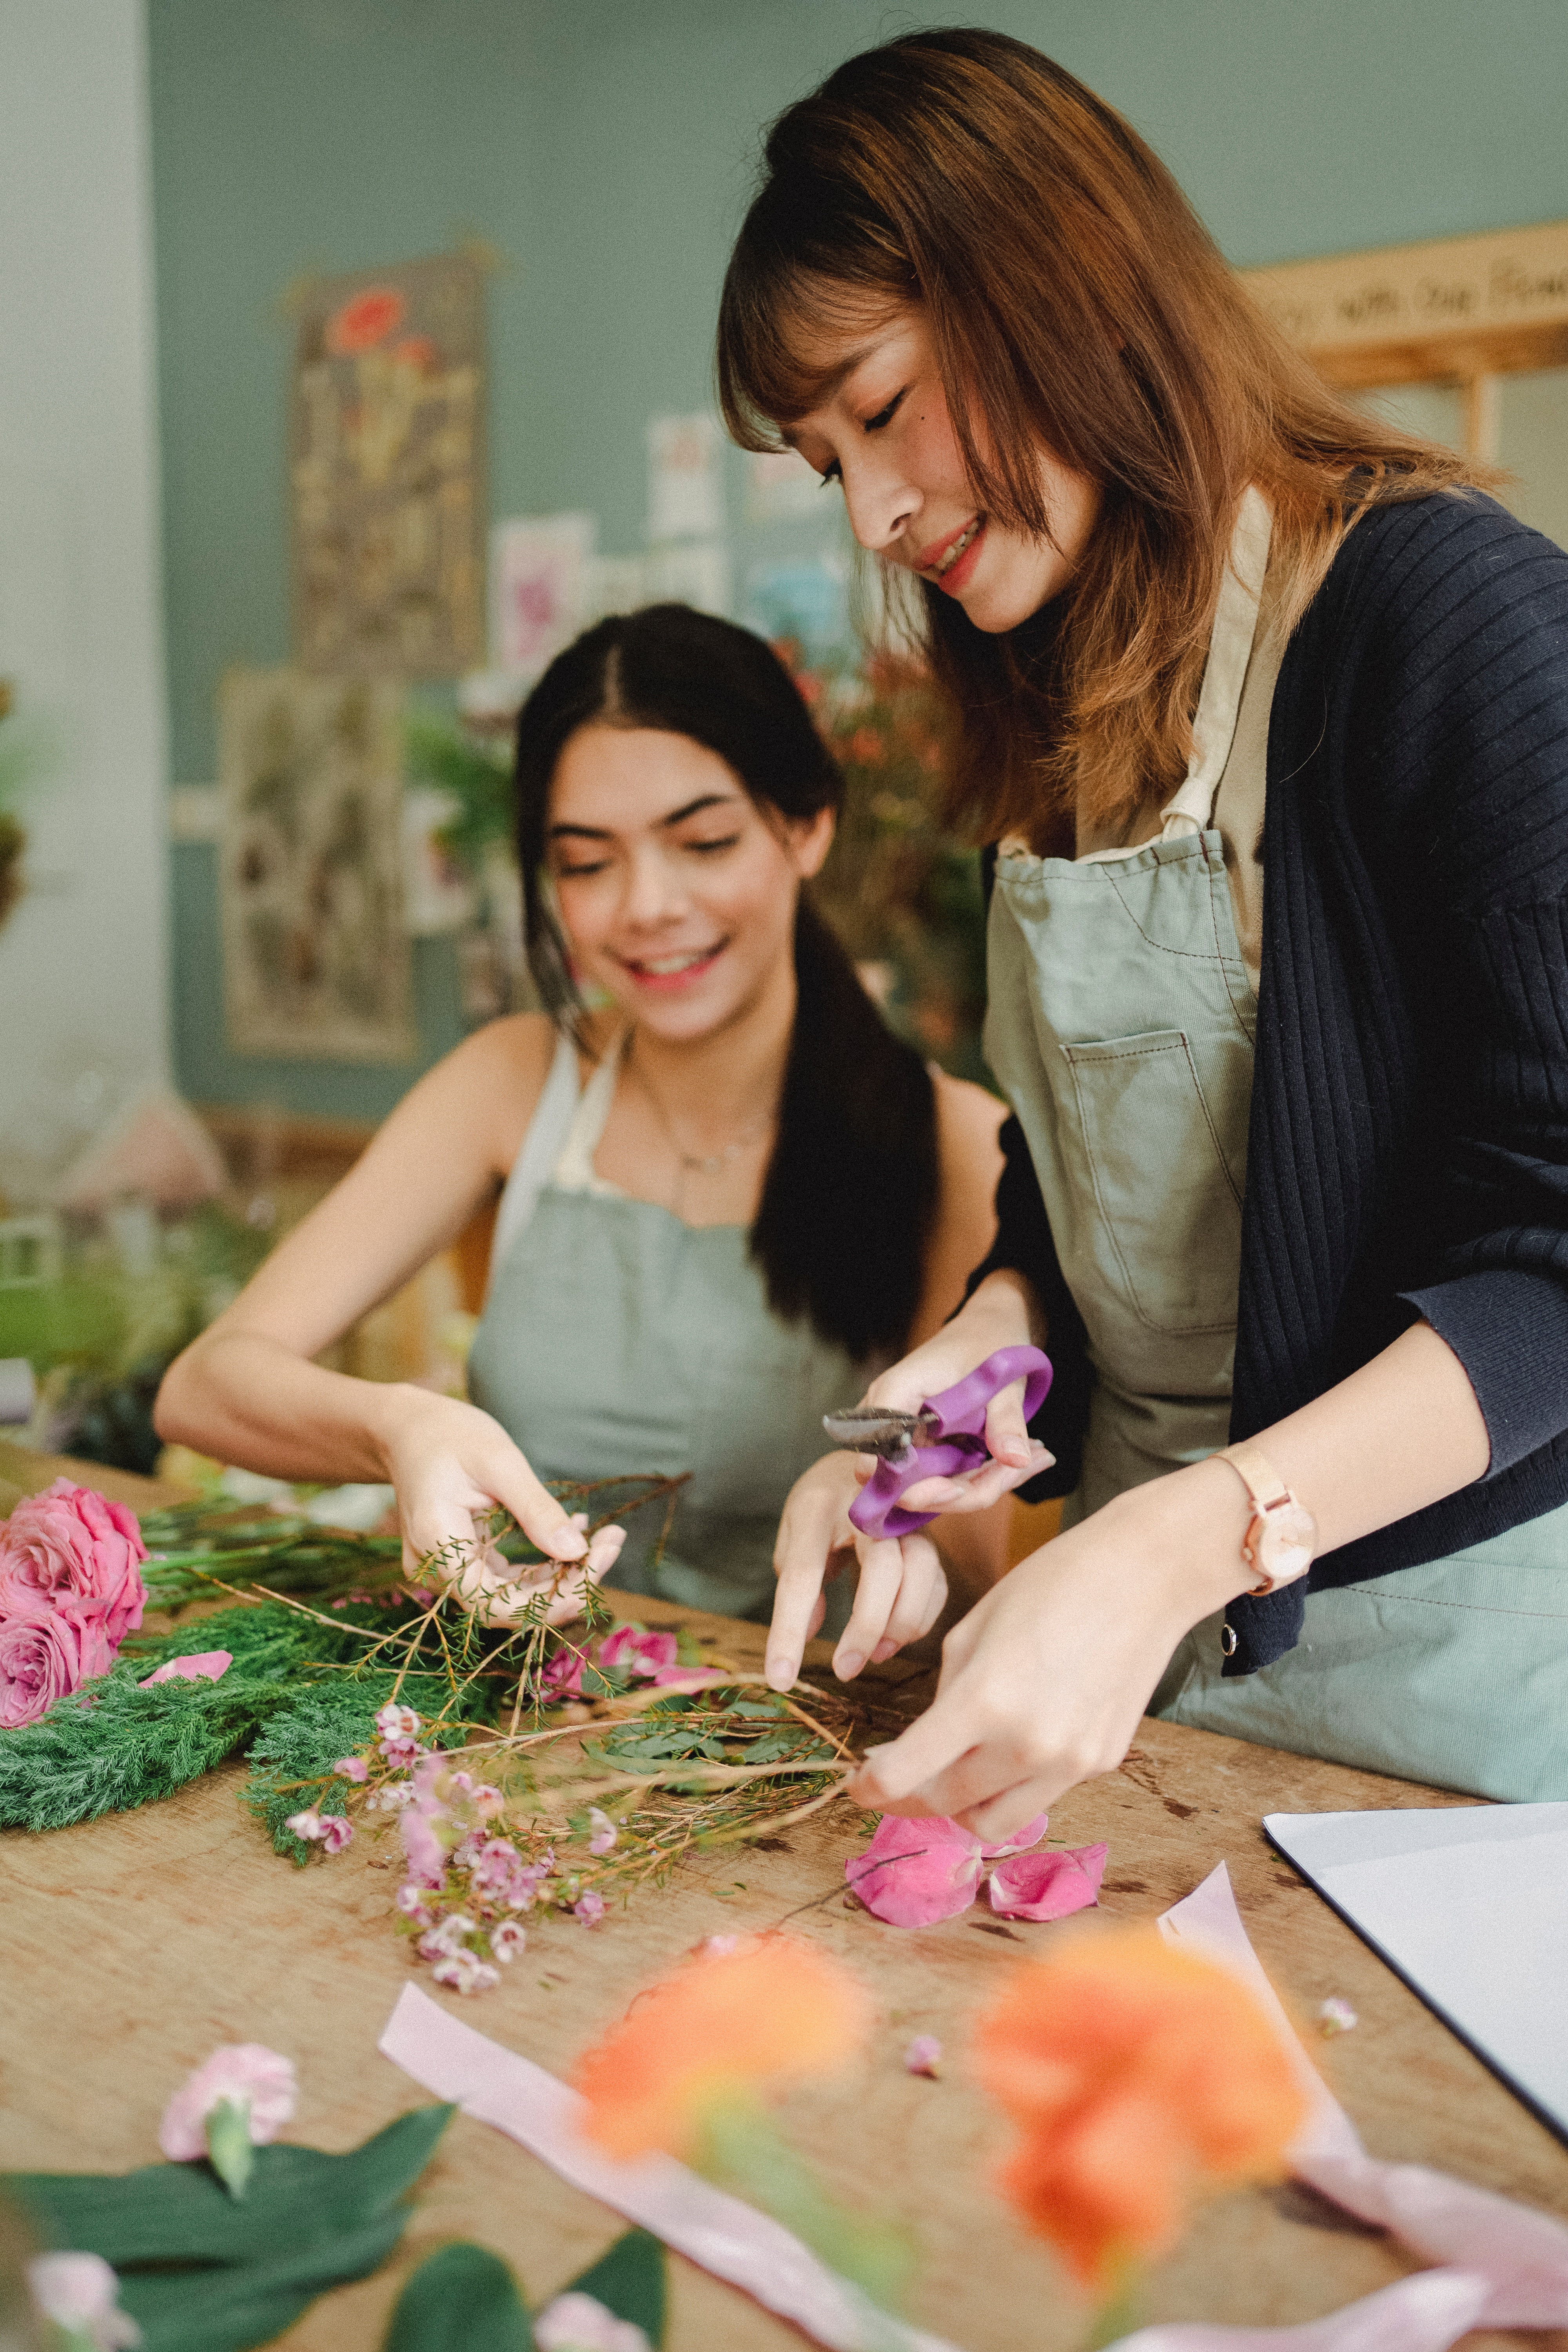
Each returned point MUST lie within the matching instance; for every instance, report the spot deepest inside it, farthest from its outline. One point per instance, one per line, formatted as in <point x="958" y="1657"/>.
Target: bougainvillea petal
<point x="1047" y="1886"/>
<point x="915" y="1872"/>
<point x="1030" y="1834"/>
<point x="195" y="1667"/>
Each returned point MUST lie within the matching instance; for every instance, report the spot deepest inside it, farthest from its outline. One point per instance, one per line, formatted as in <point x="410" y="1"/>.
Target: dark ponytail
<point x="850" y="1192"/>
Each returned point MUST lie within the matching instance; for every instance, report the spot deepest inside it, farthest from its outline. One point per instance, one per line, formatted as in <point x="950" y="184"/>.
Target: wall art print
<point x="317" y="964"/>
<point x="386" y="470"/>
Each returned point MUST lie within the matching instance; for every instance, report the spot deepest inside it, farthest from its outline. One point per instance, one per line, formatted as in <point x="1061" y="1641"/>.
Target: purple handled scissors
<point x="945" y="1436"/>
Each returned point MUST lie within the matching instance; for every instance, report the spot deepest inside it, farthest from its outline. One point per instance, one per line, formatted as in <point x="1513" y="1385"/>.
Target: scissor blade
<point x="869" y="1429"/>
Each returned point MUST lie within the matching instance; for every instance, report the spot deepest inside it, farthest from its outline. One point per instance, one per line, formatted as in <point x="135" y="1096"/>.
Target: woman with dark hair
<point x="728" y="1192"/>
<point x="1264" y="709"/>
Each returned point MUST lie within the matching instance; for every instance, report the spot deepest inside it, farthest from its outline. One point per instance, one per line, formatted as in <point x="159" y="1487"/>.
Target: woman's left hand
<point x="902" y="1589"/>
<point x="1043" y="1682"/>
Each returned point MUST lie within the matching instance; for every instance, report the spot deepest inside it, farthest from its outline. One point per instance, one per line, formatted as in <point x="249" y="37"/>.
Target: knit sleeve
<point x="1472" y="762"/>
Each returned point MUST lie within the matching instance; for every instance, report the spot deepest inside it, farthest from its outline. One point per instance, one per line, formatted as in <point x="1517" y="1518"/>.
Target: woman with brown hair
<point x="1265" y="709"/>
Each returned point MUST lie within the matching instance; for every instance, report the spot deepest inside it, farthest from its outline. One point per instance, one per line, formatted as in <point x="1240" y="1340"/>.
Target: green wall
<point x="604" y="149"/>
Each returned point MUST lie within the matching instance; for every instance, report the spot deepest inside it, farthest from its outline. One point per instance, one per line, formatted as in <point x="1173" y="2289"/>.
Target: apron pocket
<point x="1168" y="1202"/>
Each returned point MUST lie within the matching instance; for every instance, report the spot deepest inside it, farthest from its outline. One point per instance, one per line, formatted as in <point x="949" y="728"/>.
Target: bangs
<point x="782" y="334"/>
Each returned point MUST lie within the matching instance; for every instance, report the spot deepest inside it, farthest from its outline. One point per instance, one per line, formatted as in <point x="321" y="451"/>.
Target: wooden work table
<point x="130" y="1946"/>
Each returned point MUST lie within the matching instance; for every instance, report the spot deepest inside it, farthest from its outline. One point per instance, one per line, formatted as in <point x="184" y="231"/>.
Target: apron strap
<point x="540" y="1149"/>
<point x="1224" y="673"/>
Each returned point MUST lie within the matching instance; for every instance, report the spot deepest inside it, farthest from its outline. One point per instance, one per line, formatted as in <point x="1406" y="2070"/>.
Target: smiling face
<point x="884" y="431"/>
<point x="677" y="891"/>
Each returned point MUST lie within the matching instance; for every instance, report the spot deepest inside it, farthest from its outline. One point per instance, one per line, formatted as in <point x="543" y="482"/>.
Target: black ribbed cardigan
<point x="1408" y="1142"/>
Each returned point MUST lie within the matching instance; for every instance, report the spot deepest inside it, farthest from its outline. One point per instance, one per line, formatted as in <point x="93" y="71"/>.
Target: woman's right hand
<point x="900" y="1576"/>
<point x="451" y="1465"/>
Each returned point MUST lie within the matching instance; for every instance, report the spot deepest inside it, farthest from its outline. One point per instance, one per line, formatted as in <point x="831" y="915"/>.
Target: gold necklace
<point x="701" y="1164"/>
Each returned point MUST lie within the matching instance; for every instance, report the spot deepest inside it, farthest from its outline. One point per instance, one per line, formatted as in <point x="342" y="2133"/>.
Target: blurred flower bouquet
<point x="902" y="894"/>
<point x="1140" y="2079"/>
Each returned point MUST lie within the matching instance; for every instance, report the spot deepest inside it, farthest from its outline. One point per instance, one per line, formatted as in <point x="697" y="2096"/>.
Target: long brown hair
<point x="1076" y="303"/>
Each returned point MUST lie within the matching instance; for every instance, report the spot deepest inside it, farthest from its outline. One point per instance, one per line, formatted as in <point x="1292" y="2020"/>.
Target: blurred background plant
<point x="25" y="756"/>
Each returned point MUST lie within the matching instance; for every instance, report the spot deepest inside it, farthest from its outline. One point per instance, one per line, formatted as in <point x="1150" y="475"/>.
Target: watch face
<point x="1286" y="1542"/>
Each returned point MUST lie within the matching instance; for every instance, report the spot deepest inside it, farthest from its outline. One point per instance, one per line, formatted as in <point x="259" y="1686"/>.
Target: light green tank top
<point x="616" y="1338"/>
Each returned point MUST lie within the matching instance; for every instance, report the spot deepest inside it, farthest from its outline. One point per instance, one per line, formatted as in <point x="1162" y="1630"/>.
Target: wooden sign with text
<point x="1458" y="307"/>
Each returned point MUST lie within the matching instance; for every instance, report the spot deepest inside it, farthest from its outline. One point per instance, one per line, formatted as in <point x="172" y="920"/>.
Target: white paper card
<point x="685" y="481"/>
<point x="1469" y="1903"/>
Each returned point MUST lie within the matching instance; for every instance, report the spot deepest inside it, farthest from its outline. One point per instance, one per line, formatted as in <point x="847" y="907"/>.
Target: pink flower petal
<point x="1047" y="1886"/>
<point x="689" y="1678"/>
<point x="915" y="1872"/>
<point x="195" y="1667"/>
<point x="1030" y="1834"/>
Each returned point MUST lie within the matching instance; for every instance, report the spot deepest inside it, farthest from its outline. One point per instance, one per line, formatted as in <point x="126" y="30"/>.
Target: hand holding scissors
<point x="943" y="1438"/>
<point x="902" y="1580"/>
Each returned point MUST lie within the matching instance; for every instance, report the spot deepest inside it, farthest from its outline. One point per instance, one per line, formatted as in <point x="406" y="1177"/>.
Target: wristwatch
<point x="1281" y="1539"/>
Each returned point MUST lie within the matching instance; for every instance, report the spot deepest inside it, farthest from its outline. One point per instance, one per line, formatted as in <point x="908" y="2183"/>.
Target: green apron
<point x="616" y="1338"/>
<point x="1120" y="1026"/>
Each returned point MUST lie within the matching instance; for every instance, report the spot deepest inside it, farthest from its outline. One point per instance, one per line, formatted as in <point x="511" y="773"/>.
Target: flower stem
<point x="229" y="2151"/>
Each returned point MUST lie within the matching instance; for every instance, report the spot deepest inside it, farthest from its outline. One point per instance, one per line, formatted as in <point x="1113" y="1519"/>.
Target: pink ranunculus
<point x="195" y="1667"/>
<point x="1047" y="1886"/>
<point x="44" y="1658"/>
<point x="916" y="1873"/>
<point x="639" y="1652"/>
<point x="244" y="2072"/>
<point x="70" y="1549"/>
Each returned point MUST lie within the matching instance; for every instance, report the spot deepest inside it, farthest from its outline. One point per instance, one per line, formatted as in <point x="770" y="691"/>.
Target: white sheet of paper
<point x="1469" y="1903"/>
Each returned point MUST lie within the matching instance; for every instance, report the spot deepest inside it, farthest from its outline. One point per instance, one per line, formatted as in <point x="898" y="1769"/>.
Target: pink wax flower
<point x="1047" y="1886"/>
<point x="45" y="1657"/>
<point x="603" y="1838"/>
<point x="498" y="1870"/>
<point x="79" y="2293"/>
<point x="507" y="1940"/>
<point x="426" y="1853"/>
<point x="466" y="1972"/>
<point x="73" y="1550"/>
<point x="451" y="1936"/>
<point x="335" y="1833"/>
<point x="398" y="1728"/>
<point x="923" y="2056"/>
<point x="410" y="1900"/>
<point x="914" y="1873"/>
<point x="249" y="2075"/>
<point x="639" y="1652"/>
<point x="195" y="1667"/>
<point x="352" y="1768"/>
<point x="589" y="1907"/>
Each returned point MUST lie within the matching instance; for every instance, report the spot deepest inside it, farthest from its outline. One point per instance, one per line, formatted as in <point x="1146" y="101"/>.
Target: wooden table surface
<point x="133" y="1945"/>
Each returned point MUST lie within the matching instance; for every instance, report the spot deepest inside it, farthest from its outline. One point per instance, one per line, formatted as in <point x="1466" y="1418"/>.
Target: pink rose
<point x="72" y="1550"/>
<point x="44" y="1657"/>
